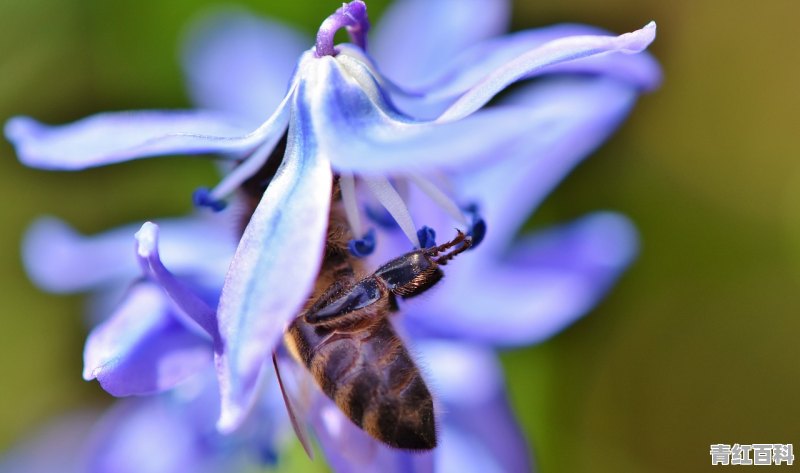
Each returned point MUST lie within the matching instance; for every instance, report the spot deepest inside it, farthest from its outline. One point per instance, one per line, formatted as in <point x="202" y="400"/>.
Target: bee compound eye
<point x="363" y="294"/>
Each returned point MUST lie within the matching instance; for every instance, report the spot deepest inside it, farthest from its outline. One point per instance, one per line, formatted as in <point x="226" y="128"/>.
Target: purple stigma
<point x="352" y="16"/>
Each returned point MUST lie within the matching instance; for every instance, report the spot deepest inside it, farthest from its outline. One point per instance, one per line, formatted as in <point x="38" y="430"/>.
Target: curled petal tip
<point x="641" y="38"/>
<point x="617" y="240"/>
<point x="89" y="373"/>
<point x="19" y="131"/>
<point x="147" y="240"/>
<point x="18" y="127"/>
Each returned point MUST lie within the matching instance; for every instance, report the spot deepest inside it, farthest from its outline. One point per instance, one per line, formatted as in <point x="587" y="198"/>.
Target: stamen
<point x="402" y="188"/>
<point x="352" y="16"/>
<point x="347" y="184"/>
<point x="389" y="198"/>
<point x="184" y="298"/>
<point x="244" y="171"/>
<point x="476" y="226"/>
<point x="202" y="198"/>
<point x="363" y="247"/>
<point x="439" y="197"/>
<point x="427" y="237"/>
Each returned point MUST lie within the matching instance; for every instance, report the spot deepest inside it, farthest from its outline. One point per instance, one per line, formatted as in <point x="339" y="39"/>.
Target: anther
<point x="364" y="246"/>
<point x="477" y="225"/>
<point x="427" y="237"/>
<point x="202" y="198"/>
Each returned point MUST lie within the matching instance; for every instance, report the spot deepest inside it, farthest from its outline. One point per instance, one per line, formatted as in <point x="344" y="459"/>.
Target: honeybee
<point x="347" y="342"/>
<point x="345" y="339"/>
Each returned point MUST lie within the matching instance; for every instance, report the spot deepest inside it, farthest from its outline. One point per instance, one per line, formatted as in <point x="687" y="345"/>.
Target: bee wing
<point x="297" y="424"/>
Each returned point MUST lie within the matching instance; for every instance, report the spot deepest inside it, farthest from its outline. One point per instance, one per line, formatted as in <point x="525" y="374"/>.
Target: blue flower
<point x="151" y="341"/>
<point x="388" y="121"/>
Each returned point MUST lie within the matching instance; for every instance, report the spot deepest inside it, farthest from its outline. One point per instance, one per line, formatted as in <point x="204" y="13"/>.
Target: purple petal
<point x="175" y="432"/>
<point x="59" y="447"/>
<point x="150" y="435"/>
<point x="479" y="432"/>
<point x="143" y="348"/>
<point x="109" y="138"/>
<point x="274" y="269"/>
<point x="237" y="63"/>
<point x="461" y="374"/>
<point x="544" y="285"/>
<point x="348" y="449"/>
<point x="184" y="297"/>
<point x="362" y="133"/>
<point x="548" y="55"/>
<point x="58" y="259"/>
<point x="414" y="38"/>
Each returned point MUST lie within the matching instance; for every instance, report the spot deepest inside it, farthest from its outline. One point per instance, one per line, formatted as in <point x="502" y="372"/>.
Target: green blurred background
<point x="698" y="343"/>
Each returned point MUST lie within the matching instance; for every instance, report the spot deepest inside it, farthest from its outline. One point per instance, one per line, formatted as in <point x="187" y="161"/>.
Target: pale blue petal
<point x="547" y="282"/>
<point x="113" y="137"/>
<point x="108" y="138"/>
<point x="58" y="259"/>
<point x="348" y="449"/>
<point x="550" y="54"/>
<point x="361" y="132"/>
<point x="274" y="268"/>
<point x="414" y="38"/>
<point x="469" y="67"/>
<point x="241" y="64"/>
<point x="143" y="348"/>
<point x="479" y="432"/>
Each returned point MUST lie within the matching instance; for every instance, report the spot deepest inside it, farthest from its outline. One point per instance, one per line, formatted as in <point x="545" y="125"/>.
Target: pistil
<point x="352" y="16"/>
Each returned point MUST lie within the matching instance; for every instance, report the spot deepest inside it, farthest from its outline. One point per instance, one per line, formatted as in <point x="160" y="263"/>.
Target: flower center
<point x="352" y="16"/>
<point x="391" y="211"/>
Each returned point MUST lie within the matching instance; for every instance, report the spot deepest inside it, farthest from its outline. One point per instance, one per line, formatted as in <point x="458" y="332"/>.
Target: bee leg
<point x="460" y="237"/>
<point x="461" y="243"/>
<point x="292" y="410"/>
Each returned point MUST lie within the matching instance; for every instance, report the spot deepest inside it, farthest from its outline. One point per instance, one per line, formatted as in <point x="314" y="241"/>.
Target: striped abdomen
<point x="367" y="371"/>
